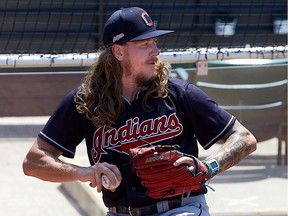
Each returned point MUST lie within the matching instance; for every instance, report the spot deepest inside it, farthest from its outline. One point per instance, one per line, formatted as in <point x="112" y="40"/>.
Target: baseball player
<point x="127" y="101"/>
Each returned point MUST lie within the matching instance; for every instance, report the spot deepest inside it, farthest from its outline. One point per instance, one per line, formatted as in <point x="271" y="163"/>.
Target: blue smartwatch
<point x="212" y="166"/>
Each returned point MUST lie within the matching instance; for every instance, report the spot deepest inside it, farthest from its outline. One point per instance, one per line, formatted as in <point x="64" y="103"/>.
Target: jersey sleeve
<point x="209" y="121"/>
<point x="64" y="129"/>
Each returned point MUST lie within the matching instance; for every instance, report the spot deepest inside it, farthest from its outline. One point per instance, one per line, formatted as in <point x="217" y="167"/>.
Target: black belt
<point x="145" y="210"/>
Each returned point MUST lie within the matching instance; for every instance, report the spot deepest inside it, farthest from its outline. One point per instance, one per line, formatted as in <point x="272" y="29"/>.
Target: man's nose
<point x="154" y="50"/>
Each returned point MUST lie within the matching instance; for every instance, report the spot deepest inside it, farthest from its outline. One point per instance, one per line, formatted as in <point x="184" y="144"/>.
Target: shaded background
<point x="255" y="92"/>
<point x="72" y="26"/>
<point x="254" y="89"/>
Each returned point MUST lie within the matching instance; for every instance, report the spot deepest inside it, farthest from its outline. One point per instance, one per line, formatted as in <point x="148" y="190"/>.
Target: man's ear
<point x="117" y="52"/>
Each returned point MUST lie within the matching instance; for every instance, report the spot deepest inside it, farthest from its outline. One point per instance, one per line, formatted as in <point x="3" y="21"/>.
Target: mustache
<point x="155" y="59"/>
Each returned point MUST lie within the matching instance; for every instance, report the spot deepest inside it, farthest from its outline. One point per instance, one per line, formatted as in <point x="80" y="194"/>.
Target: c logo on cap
<point x="148" y="21"/>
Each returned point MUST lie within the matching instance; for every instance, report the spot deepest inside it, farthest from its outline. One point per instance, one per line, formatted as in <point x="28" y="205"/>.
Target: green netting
<point x="74" y="26"/>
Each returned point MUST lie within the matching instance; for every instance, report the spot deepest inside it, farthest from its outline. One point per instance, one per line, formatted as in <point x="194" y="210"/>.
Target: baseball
<point x="107" y="184"/>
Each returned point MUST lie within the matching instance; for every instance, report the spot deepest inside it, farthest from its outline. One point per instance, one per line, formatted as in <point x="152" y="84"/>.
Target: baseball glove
<point x="154" y="166"/>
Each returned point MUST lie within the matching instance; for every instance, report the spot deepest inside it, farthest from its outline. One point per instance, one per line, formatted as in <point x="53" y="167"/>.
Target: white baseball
<point x="107" y="184"/>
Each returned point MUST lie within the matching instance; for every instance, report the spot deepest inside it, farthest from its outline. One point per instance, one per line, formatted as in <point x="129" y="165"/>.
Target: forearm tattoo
<point x="231" y="154"/>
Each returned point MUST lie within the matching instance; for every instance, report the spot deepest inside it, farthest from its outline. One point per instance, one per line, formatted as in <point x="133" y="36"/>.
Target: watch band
<point x="212" y="166"/>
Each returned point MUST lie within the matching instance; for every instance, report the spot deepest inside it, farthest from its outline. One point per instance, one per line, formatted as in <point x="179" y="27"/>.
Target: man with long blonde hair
<point x="100" y="96"/>
<point x="128" y="100"/>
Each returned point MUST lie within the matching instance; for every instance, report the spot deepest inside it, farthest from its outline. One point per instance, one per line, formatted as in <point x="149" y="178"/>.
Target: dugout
<point x="60" y="28"/>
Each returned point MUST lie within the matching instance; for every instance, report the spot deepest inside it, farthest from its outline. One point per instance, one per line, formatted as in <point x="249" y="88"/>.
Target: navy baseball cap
<point x="130" y="24"/>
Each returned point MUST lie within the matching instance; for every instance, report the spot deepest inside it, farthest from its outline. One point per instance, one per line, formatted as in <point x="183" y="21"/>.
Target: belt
<point x="158" y="207"/>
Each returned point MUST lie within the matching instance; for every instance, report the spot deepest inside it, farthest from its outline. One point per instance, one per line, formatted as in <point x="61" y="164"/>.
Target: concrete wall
<point x="34" y="94"/>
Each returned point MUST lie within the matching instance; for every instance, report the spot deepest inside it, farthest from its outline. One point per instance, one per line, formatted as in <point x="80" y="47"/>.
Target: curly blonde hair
<point x="99" y="97"/>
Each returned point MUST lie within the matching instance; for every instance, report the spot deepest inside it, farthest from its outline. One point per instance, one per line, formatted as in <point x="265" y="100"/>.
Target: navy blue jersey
<point x="185" y="116"/>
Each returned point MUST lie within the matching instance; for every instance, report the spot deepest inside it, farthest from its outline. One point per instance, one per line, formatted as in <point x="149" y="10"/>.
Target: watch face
<point x="214" y="164"/>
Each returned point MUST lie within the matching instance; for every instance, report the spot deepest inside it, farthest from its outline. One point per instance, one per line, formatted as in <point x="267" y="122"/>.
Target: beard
<point x="142" y="78"/>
